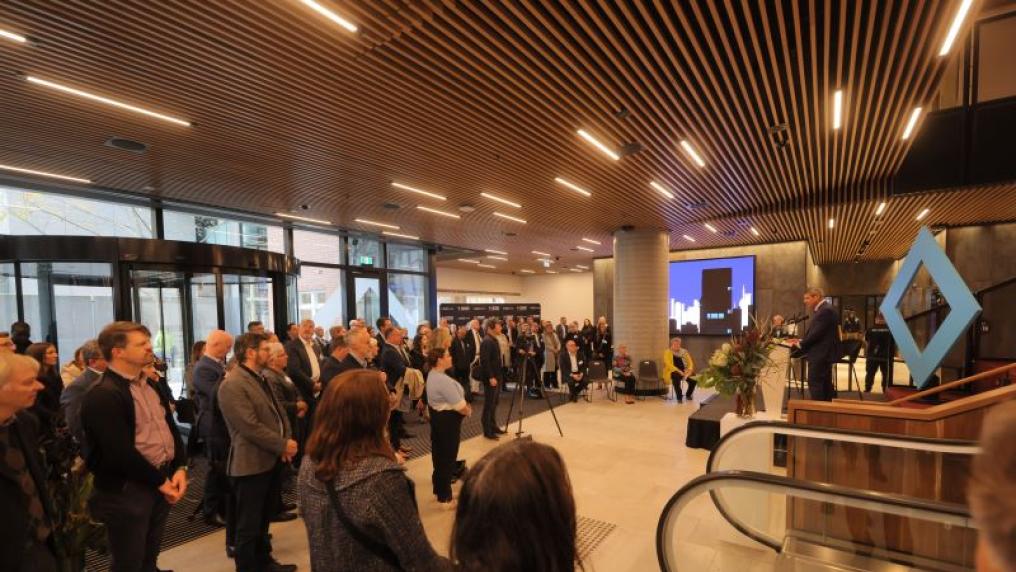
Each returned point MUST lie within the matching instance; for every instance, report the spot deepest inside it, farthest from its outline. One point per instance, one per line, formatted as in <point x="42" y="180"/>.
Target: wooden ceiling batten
<point x="470" y="96"/>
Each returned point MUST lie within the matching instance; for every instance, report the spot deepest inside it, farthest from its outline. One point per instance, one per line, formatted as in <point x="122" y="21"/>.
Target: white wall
<point x="566" y="294"/>
<point x="455" y="280"/>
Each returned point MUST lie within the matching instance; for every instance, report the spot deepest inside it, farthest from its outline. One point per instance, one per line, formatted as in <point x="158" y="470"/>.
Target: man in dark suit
<point x="491" y="376"/>
<point x="562" y="329"/>
<point x="382" y="323"/>
<point x="573" y="369"/>
<point x="304" y="366"/>
<point x="394" y="362"/>
<point x="358" y="356"/>
<point x="461" y="361"/>
<point x="821" y="345"/>
<point x="73" y="395"/>
<point x="139" y="462"/>
<point x="332" y="365"/>
<point x="208" y="374"/>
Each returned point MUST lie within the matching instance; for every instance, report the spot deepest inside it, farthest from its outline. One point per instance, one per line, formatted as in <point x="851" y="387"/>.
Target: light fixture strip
<point x="44" y="174"/>
<point x="330" y="15"/>
<point x="688" y="238"/>
<point x="419" y="191"/>
<point x="390" y="233"/>
<point x="911" y="123"/>
<point x="375" y="223"/>
<point x="437" y="212"/>
<point x="881" y="208"/>
<point x="582" y="266"/>
<point x="954" y="28"/>
<point x="500" y="200"/>
<point x="572" y="186"/>
<point x="838" y="109"/>
<point x="922" y="214"/>
<point x="661" y="189"/>
<point x="754" y="231"/>
<point x="106" y="100"/>
<point x="527" y="271"/>
<point x="540" y="253"/>
<point x="493" y="257"/>
<point x="469" y="261"/>
<point x="509" y="217"/>
<point x="13" y="37"/>
<point x="711" y="228"/>
<point x="492" y="251"/>
<point x="591" y="241"/>
<point x="485" y="266"/>
<point x="551" y="271"/>
<point x="692" y="153"/>
<point x="832" y="223"/>
<point x="586" y="249"/>
<point x="596" y="143"/>
<point x="303" y="218"/>
<point x="574" y="270"/>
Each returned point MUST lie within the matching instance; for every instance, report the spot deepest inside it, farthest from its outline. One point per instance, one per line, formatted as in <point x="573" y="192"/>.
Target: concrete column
<point x="641" y="285"/>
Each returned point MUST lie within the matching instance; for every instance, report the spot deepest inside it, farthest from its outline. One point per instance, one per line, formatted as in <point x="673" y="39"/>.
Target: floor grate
<point x="590" y="534"/>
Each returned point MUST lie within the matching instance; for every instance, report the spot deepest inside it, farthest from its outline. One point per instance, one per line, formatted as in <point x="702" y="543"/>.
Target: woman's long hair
<point x="516" y="512"/>
<point x="349" y="424"/>
<point x="38" y="351"/>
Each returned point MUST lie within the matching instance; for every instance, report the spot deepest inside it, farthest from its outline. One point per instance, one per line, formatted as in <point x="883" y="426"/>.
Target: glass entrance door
<point x="367" y="295"/>
<point x="158" y="302"/>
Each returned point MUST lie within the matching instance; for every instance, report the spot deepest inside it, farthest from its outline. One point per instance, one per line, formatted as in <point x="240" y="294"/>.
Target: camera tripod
<point x="520" y="394"/>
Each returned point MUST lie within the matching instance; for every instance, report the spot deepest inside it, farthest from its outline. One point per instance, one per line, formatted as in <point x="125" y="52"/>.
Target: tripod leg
<point x="553" y="414"/>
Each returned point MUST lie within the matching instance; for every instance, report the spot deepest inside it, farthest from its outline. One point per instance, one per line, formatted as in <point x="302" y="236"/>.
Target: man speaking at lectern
<point x="820" y="344"/>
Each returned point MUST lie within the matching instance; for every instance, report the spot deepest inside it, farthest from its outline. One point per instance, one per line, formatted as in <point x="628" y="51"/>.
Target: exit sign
<point x="366" y="261"/>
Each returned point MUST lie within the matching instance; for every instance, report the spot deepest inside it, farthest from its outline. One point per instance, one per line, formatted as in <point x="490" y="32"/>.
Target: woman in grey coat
<point x="551" y="347"/>
<point x="356" y="501"/>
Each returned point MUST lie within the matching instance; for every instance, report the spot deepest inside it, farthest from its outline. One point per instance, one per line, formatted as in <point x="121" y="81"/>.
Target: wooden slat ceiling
<point x="463" y="97"/>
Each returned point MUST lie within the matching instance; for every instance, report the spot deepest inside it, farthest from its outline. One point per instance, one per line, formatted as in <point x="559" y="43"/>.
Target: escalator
<point x="755" y="505"/>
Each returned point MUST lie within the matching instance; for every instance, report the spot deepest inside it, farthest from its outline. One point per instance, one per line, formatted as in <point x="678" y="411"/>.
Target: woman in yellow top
<point x="678" y="366"/>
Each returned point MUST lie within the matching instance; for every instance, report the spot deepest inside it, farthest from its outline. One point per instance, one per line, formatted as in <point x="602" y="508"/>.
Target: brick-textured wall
<point x="640" y="292"/>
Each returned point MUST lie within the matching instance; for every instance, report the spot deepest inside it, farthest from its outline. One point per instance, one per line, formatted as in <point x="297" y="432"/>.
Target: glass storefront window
<point x="158" y="298"/>
<point x="33" y="213"/>
<point x="403" y="257"/>
<point x="208" y="229"/>
<point x="317" y="247"/>
<point x="246" y="299"/>
<point x="320" y="296"/>
<point x="204" y="305"/>
<point x="407" y="299"/>
<point x="8" y="296"/>
<point x="67" y="303"/>
<point x="365" y="252"/>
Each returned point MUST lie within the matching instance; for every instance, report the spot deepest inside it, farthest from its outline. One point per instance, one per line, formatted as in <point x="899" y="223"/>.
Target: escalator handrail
<point x="926" y="444"/>
<point x="949" y="513"/>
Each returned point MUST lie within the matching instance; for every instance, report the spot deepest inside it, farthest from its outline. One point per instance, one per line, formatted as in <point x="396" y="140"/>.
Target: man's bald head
<point x="218" y="343"/>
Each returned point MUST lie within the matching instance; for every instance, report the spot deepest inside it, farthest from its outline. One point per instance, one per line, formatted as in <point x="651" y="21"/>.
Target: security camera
<point x="557" y="258"/>
<point x="355" y="241"/>
<point x="304" y="207"/>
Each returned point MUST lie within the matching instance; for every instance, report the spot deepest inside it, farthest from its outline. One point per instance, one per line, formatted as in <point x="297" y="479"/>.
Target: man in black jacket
<point x="332" y="365"/>
<point x="394" y="362"/>
<point x="491" y="375"/>
<point x="358" y="356"/>
<point x="821" y="345"/>
<point x="461" y="361"/>
<point x="573" y="369"/>
<point x="208" y="373"/>
<point x="304" y="366"/>
<point x="26" y="526"/>
<point x="139" y="462"/>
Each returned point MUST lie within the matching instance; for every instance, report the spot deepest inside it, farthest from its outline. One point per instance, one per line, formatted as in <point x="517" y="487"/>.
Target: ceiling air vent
<point x="135" y="147"/>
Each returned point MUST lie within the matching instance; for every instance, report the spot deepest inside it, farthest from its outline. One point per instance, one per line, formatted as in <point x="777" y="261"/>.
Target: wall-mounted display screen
<point x="713" y="296"/>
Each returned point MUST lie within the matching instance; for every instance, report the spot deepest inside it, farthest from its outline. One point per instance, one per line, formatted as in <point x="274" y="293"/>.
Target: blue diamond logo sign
<point x="963" y="307"/>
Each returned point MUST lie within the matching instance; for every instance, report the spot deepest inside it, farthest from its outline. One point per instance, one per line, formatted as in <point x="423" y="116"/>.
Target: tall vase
<point x="745" y="406"/>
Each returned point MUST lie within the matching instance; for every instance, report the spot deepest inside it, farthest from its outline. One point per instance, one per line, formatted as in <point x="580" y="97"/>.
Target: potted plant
<point x="70" y="486"/>
<point x="734" y="369"/>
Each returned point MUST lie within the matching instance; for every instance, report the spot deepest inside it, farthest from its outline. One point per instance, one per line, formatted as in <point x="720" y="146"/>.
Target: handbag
<point x="376" y="548"/>
<point x="186" y="411"/>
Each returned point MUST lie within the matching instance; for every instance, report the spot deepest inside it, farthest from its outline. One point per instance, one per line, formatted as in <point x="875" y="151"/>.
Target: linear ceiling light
<point x="591" y="241"/>
<point x="596" y="143"/>
<point x="572" y="186"/>
<point x="551" y="271"/>
<point x="469" y="261"/>
<point x="330" y="15"/>
<point x="45" y="174"/>
<point x="754" y="231"/>
<point x="911" y="123"/>
<point x="106" y="100"/>
<point x="419" y="191"/>
<point x="574" y="270"/>
<point x="838" y="109"/>
<point x="500" y="200"/>
<point x="922" y="214"/>
<point x="501" y="258"/>
<point x="492" y="251"/>
<point x="374" y="223"/>
<point x="585" y="248"/>
<point x="688" y="238"/>
<point x="509" y="217"/>
<point x="582" y="266"/>
<point x="13" y="37"/>
<point x="485" y="266"/>
<point x="832" y="222"/>
<point x="437" y="212"/>
<point x="303" y="218"/>
<point x="954" y="28"/>
<point x="661" y="189"/>
<point x="880" y="209"/>
<point x="692" y="153"/>
<point x="390" y="233"/>
<point x="540" y="253"/>
<point x="527" y="271"/>
<point x="711" y="227"/>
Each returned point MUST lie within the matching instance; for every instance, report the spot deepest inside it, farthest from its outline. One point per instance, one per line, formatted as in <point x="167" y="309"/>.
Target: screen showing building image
<point x="714" y="296"/>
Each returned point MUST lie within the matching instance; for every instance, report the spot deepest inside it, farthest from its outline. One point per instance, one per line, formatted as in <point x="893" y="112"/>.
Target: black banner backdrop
<point x="460" y="314"/>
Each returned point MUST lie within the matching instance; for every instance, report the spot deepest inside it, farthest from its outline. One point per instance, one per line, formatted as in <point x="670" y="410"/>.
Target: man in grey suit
<point x="208" y="374"/>
<point x="261" y="441"/>
<point x="74" y="393"/>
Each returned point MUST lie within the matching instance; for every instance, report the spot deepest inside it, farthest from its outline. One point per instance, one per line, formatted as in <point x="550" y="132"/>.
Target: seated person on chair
<point x="622" y="372"/>
<point x="678" y="366"/>
<point x="573" y="369"/>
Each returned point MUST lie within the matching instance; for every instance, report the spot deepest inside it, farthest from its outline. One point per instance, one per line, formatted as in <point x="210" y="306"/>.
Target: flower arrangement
<point x="735" y="367"/>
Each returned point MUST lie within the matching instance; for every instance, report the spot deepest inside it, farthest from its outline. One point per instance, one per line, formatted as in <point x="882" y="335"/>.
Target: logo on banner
<point x="963" y="307"/>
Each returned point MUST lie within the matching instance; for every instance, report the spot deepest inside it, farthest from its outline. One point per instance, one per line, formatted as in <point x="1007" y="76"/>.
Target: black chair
<point x="648" y="374"/>
<point x="849" y="350"/>
<point x="598" y="374"/>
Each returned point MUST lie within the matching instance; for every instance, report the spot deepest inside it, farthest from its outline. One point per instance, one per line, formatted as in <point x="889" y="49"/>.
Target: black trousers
<point x="462" y="376"/>
<point x="135" y="519"/>
<point x="445" y="433"/>
<point x="629" y="383"/>
<point x="396" y="425"/>
<point x="820" y="380"/>
<point x="255" y="500"/>
<point x="550" y="379"/>
<point x="491" y="395"/>
<point x="576" y="387"/>
<point x="217" y="490"/>
<point x="872" y="365"/>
